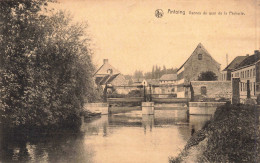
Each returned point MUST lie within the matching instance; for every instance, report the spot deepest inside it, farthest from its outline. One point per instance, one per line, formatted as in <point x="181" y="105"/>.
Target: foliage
<point x="46" y="65"/>
<point x="156" y="73"/>
<point x="234" y="134"/>
<point x="138" y="74"/>
<point x="207" y="76"/>
<point x="135" y="93"/>
<point x="231" y="136"/>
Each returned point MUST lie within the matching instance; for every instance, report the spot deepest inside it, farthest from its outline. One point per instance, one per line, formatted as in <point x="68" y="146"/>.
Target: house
<point x="199" y="61"/>
<point x="105" y="69"/>
<point x="168" y="79"/>
<point x="112" y="80"/>
<point x="248" y="72"/>
<point x="226" y="73"/>
<point x="107" y="75"/>
<point x="168" y="84"/>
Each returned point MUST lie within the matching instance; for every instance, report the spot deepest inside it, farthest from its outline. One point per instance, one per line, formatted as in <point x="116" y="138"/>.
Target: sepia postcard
<point x="129" y="81"/>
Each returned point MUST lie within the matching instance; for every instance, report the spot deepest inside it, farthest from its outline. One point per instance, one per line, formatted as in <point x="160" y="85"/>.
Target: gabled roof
<point x="252" y="59"/>
<point x="104" y="80"/>
<point x="103" y="69"/>
<point x="112" y="78"/>
<point x="169" y="77"/>
<point x="235" y="63"/>
<point x="108" y="79"/>
<point x="199" y="46"/>
<point x="98" y="80"/>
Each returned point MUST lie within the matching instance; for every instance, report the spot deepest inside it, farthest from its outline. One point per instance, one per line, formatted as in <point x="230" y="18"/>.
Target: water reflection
<point x="126" y="137"/>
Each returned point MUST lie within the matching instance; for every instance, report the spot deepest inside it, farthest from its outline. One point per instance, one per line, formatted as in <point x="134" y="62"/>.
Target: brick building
<point x="199" y="61"/>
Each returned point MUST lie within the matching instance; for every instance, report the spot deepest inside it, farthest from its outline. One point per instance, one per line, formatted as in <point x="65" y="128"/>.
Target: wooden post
<point x="235" y="91"/>
<point x="248" y="89"/>
<point x="105" y="93"/>
<point x="191" y="93"/>
<point x="144" y="94"/>
<point x="150" y="92"/>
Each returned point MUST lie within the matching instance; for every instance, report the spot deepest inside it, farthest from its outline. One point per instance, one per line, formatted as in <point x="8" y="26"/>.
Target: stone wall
<point x="214" y="90"/>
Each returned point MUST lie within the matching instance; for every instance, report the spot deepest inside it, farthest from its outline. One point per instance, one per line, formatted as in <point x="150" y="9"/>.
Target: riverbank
<point x="29" y="131"/>
<point x="231" y="136"/>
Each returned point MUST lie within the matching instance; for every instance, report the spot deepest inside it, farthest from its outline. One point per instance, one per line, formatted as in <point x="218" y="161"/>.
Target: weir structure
<point x="148" y="103"/>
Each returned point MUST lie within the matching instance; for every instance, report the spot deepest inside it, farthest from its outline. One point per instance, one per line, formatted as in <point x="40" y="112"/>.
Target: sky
<point x="128" y="33"/>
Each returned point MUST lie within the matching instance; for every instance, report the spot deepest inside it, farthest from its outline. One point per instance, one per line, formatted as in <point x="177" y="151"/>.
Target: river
<point x="125" y="137"/>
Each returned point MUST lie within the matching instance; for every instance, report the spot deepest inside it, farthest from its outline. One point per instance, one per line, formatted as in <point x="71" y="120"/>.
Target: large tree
<point x="45" y="65"/>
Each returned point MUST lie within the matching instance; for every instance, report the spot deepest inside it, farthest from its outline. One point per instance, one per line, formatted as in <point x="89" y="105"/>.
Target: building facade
<point x="248" y="72"/>
<point x="168" y="85"/>
<point x="226" y="73"/>
<point x="199" y="61"/>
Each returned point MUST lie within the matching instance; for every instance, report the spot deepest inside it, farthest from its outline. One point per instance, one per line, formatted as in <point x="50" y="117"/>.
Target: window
<point x="163" y="91"/>
<point x="200" y="57"/>
<point x="203" y="90"/>
<point x="110" y="71"/>
<point x="254" y="72"/>
<point x="250" y="73"/>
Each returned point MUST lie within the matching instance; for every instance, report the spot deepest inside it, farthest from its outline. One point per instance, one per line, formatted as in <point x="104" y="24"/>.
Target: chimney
<point x="105" y="61"/>
<point x="257" y="55"/>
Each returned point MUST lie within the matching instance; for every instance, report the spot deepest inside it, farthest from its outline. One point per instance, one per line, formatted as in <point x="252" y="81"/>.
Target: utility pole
<point x="227" y="59"/>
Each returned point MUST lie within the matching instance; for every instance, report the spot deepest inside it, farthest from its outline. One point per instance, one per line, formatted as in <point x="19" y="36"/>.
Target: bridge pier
<point x="147" y="108"/>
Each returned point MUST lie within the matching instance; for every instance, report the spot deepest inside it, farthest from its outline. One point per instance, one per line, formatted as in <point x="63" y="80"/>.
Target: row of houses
<point x="246" y="68"/>
<point x="107" y="75"/>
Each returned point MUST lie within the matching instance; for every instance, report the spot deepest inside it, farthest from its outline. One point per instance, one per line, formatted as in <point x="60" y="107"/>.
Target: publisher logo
<point x="159" y="13"/>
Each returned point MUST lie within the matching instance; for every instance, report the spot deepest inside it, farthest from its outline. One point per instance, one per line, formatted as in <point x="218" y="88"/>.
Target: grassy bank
<point x="231" y="136"/>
